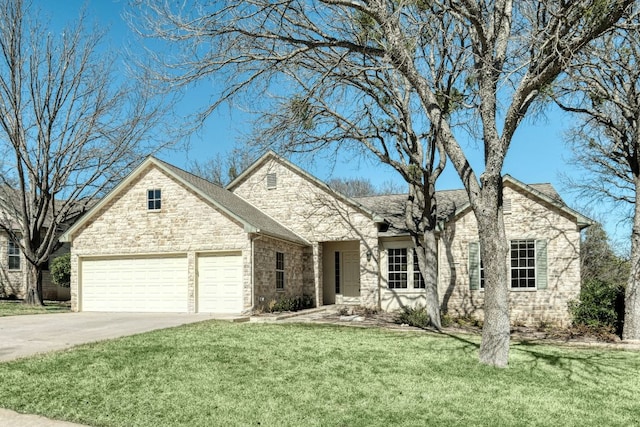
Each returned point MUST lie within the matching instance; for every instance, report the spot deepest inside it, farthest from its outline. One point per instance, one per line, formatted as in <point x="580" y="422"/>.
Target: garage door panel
<point x="138" y="284"/>
<point x="220" y="284"/>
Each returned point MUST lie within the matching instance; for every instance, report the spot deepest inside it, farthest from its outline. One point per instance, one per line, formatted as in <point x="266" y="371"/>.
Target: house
<point x="165" y="240"/>
<point x="13" y="264"/>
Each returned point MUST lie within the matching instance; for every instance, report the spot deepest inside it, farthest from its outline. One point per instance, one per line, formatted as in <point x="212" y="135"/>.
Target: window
<point x="279" y="271"/>
<point x="523" y="264"/>
<point x="272" y="181"/>
<point x="528" y="265"/>
<point x="13" y="252"/>
<point x="154" y="199"/>
<point x="397" y="268"/>
<point x="418" y="280"/>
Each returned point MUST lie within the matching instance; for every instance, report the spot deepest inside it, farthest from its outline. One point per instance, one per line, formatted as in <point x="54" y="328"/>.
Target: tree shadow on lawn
<point x="578" y="364"/>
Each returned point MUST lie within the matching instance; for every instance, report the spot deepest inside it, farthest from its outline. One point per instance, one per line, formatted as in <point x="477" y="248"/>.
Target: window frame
<point x="14" y="255"/>
<point x="154" y="199"/>
<point x="280" y="276"/>
<point x="529" y="258"/>
<point x="416" y="273"/>
<point x="391" y="260"/>
<point x="535" y="260"/>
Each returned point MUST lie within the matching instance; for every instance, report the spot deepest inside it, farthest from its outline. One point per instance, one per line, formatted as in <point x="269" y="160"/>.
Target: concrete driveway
<point x="22" y="336"/>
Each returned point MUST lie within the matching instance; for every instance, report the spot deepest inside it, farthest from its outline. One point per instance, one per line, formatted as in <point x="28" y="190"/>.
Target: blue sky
<point x="538" y="152"/>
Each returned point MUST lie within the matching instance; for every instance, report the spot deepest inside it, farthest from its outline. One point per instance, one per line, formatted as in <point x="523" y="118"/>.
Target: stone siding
<point x="314" y="213"/>
<point x="530" y="218"/>
<point x="12" y="282"/>
<point x="186" y="224"/>
<point x="265" y="271"/>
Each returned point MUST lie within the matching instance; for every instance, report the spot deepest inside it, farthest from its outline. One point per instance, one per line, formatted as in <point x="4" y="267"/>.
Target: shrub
<point x="291" y="304"/>
<point x="414" y="316"/>
<point x="61" y="270"/>
<point x="600" y="306"/>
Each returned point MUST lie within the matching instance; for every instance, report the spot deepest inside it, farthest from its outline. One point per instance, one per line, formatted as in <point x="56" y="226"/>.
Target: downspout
<point x="379" y="277"/>
<point x="254" y="237"/>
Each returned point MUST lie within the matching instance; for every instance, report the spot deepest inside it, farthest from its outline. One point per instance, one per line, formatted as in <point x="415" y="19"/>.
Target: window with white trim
<point x="418" y="280"/>
<point x="13" y="254"/>
<point x="154" y="199"/>
<point x="279" y="271"/>
<point x="397" y="262"/>
<point x="527" y="265"/>
<point x="523" y="264"/>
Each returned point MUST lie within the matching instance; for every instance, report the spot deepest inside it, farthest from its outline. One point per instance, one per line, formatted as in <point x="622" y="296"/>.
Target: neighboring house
<point x="166" y="240"/>
<point x="14" y="267"/>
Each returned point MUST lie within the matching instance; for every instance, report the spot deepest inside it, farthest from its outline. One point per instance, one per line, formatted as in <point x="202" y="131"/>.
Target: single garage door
<point x="220" y="284"/>
<point x="134" y="284"/>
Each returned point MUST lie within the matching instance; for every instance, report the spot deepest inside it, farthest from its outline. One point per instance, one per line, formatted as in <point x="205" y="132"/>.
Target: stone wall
<point x="12" y="282"/>
<point x="530" y="218"/>
<point x="186" y="224"/>
<point x="308" y="209"/>
<point x="265" y="291"/>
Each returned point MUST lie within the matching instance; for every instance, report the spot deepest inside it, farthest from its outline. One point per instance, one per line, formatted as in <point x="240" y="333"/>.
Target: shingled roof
<point x="253" y="220"/>
<point x="448" y="202"/>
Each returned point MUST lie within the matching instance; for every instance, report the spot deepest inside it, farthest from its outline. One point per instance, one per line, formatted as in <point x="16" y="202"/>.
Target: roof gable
<point x="453" y="203"/>
<point x="270" y="155"/>
<point x="252" y="219"/>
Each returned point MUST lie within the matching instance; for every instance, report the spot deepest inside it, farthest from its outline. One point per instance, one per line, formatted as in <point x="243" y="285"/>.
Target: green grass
<point x="16" y="308"/>
<point x="216" y="373"/>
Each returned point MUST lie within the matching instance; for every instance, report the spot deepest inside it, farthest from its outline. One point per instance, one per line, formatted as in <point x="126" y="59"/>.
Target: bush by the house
<point x="60" y="270"/>
<point x="414" y="316"/>
<point x="599" y="307"/>
<point x="291" y="304"/>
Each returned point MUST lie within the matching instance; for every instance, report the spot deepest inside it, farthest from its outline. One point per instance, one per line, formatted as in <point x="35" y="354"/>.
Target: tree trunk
<point x="631" y="328"/>
<point x="34" y="286"/>
<point x="494" y="349"/>
<point x="428" y="263"/>
<point x="421" y="220"/>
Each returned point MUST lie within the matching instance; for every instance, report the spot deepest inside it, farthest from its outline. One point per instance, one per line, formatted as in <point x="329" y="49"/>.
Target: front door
<point x="351" y="276"/>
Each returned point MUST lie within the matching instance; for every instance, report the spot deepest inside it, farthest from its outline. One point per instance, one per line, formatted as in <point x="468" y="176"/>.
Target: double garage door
<point x="160" y="284"/>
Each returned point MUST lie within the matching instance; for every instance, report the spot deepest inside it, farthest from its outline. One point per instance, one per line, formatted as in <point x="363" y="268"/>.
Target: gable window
<point x="397" y="259"/>
<point x="506" y="206"/>
<point x="13" y="253"/>
<point x="272" y="181"/>
<point x="154" y="199"/>
<point x="279" y="271"/>
<point x="527" y="265"/>
<point x="418" y="280"/>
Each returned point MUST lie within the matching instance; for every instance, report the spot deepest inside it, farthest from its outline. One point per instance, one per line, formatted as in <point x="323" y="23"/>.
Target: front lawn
<point x="228" y="374"/>
<point x="15" y="308"/>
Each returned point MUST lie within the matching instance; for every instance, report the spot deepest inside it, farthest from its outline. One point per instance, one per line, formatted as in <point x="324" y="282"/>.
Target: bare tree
<point x="603" y="89"/>
<point x="222" y="169"/>
<point x="353" y="187"/>
<point x="505" y="53"/>
<point x="362" y="187"/>
<point x="68" y="130"/>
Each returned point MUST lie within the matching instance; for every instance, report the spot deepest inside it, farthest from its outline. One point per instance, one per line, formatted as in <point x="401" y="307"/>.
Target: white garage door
<point x="220" y="284"/>
<point x="138" y="284"/>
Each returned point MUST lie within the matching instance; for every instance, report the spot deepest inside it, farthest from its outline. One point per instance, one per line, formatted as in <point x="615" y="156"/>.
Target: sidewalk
<point x="10" y="418"/>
